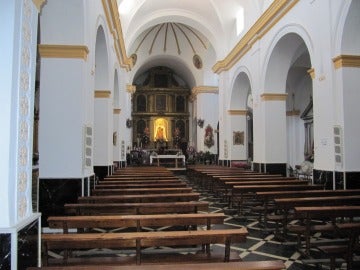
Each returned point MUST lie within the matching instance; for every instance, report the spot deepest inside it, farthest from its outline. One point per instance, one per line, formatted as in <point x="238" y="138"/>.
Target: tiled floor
<point x="260" y="244"/>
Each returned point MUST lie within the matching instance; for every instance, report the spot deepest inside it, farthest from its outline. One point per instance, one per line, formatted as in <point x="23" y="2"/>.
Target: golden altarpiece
<point x="160" y="111"/>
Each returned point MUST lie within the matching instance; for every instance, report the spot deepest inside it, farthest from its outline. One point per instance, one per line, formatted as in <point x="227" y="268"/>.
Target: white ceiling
<point x="215" y="20"/>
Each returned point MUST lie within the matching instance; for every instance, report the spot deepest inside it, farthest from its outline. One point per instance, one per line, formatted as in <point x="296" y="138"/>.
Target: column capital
<point x="204" y="89"/>
<point x="102" y="94"/>
<point x="237" y="112"/>
<point x="273" y="97"/>
<point x="63" y="51"/>
<point x="344" y="60"/>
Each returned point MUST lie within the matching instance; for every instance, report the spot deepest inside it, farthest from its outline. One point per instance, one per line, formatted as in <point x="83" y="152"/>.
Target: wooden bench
<point x="254" y="265"/>
<point x="140" y="240"/>
<point x="135" y="208"/>
<point x="287" y="204"/>
<point x="135" y="221"/>
<point x="139" y="181"/>
<point x="139" y="177"/>
<point x="225" y="188"/>
<point x="308" y="213"/>
<point x="267" y="197"/>
<point x="138" y="191"/>
<point x="350" y="231"/>
<point x="172" y="197"/>
<point x="239" y="192"/>
<point x="139" y="185"/>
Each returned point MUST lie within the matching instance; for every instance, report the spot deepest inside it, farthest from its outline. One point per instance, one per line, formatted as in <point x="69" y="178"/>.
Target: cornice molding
<point x="102" y="94"/>
<point x="344" y="60"/>
<point x="203" y="89"/>
<point x="273" y="97"/>
<point x="130" y="88"/>
<point x="293" y="113"/>
<point x="113" y="21"/>
<point x="237" y="112"/>
<point x="39" y="4"/>
<point x="63" y="51"/>
<point x="311" y="72"/>
<point x="268" y="19"/>
<point x="117" y="111"/>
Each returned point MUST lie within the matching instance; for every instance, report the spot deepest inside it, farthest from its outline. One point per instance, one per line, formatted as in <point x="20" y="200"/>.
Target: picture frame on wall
<point x="238" y="137"/>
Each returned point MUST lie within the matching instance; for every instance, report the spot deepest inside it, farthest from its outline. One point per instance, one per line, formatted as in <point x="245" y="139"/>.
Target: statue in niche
<point x="159" y="134"/>
<point x="160" y="130"/>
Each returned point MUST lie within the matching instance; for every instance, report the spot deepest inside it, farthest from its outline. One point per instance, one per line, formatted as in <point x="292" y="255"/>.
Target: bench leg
<point x="227" y="250"/>
<point x="45" y="256"/>
<point x="138" y="251"/>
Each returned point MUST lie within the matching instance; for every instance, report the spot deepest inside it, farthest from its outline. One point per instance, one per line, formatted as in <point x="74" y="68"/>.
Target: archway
<point x="239" y="111"/>
<point x="103" y="123"/>
<point x="288" y="91"/>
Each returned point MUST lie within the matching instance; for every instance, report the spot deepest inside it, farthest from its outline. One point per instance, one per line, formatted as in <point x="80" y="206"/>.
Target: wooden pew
<point x="287" y="204"/>
<point x="140" y="177"/>
<point x="135" y="221"/>
<point x="350" y="231"/>
<point x="135" y="208"/>
<point x="172" y="197"/>
<point x="253" y="265"/>
<point x="308" y="213"/>
<point x="140" y="240"/>
<point x="239" y="192"/>
<point x="267" y="197"/>
<point x="138" y="191"/>
<point x="140" y="185"/>
<point x="139" y="181"/>
<point x="226" y="187"/>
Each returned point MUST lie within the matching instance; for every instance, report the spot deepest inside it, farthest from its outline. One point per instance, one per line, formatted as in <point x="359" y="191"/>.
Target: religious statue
<point x="159" y="134"/>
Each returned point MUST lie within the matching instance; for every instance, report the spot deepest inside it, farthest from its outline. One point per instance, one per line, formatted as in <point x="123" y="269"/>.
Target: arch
<point x="101" y="61"/>
<point x="241" y="87"/>
<point x="346" y="39"/>
<point x="291" y="40"/>
<point x="173" y="62"/>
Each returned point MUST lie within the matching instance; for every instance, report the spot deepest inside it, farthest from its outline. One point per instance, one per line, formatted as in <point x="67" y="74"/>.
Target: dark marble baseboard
<point x="102" y="171"/>
<point x="28" y="242"/>
<point x="5" y="251"/>
<point x="26" y="238"/>
<point x="343" y="180"/>
<point x="54" y="193"/>
<point x="272" y="168"/>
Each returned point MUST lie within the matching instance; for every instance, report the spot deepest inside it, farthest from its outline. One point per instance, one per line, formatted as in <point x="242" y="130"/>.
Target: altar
<point x="168" y="157"/>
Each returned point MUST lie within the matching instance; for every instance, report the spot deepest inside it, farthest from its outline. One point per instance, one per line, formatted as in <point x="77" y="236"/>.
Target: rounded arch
<point x="173" y="62"/>
<point x="347" y="39"/>
<point x="290" y="42"/>
<point x="241" y="87"/>
<point x="101" y="60"/>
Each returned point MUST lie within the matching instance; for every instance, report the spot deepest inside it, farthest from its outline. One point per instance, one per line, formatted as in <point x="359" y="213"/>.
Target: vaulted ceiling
<point x="168" y="27"/>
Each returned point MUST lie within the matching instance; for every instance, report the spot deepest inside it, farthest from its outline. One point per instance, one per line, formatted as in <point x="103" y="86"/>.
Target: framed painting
<point x="238" y="137"/>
